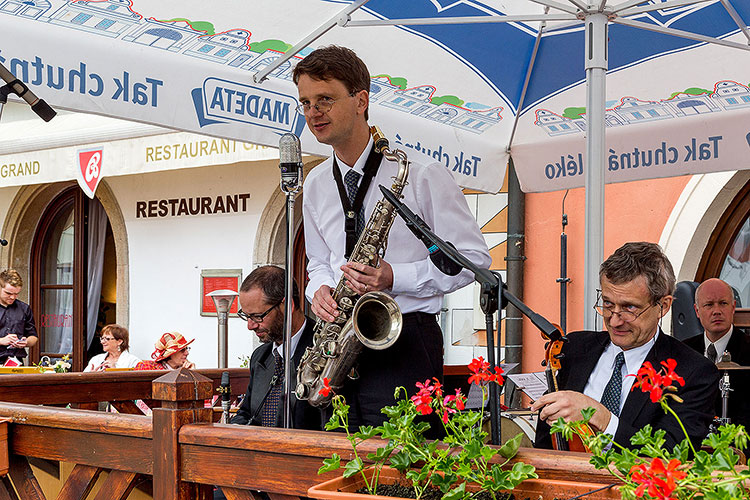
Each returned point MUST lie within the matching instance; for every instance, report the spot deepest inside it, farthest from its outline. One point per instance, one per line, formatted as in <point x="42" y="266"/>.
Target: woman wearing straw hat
<point x="171" y="354"/>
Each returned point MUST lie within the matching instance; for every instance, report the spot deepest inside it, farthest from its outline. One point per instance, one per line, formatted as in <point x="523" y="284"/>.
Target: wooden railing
<point x="87" y="390"/>
<point x="179" y="448"/>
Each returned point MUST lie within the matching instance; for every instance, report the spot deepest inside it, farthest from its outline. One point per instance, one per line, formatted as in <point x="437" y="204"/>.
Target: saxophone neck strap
<point x="351" y="211"/>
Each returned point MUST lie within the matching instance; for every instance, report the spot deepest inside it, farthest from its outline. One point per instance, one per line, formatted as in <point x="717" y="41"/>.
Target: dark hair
<point x="334" y="62"/>
<point x="641" y="259"/>
<point x="119" y="333"/>
<point x="271" y="281"/>
<point x="11" y="277"/>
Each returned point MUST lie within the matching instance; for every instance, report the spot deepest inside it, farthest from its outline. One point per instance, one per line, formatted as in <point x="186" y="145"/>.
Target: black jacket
<point x="739" y="380"/>
<point x="582" y="352"/>
<point x="262" y="366"/>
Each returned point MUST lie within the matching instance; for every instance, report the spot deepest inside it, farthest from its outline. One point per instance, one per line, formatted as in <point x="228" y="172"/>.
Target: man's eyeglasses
<point x="323" y="105"/>
<point x="256" y="318"/>
<point x="624" y="314"/>
<point x="106" y="339"/>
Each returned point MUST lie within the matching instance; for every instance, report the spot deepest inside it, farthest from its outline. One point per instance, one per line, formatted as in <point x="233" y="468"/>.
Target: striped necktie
<point x="613" y="391"/>
<point x="271" y="407"/>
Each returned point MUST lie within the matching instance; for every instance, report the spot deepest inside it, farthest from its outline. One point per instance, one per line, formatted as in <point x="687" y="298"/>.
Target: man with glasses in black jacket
<point x="262" y="306"/>
<point x="598" y="368"/>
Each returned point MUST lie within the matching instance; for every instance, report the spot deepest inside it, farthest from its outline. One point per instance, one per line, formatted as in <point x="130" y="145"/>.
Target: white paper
<point x="534" y="385"/>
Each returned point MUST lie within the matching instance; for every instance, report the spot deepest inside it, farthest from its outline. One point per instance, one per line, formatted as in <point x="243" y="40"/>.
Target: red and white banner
<point x="90" y="170"/>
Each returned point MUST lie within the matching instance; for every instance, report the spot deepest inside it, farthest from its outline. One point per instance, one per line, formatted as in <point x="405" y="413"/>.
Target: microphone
<point x="16" y="86"/>
<point x="290" y="162"/>
<point x="225" y="391"/>
<point x="445" y="264"/>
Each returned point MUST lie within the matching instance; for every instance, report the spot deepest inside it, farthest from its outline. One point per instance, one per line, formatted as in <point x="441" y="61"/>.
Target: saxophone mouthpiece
<point x="381" y="142"/>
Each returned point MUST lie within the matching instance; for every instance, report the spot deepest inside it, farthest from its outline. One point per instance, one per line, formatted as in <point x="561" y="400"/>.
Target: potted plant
<point x="650" y="470"/>
<point x="460" y="466"/>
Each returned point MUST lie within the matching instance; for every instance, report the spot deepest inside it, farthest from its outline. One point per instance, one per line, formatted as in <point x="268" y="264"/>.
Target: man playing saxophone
<point x="339" y="197"/>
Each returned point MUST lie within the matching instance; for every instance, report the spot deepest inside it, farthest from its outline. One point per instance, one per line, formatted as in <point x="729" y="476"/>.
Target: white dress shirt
<point x="720" y="345"/>
<point x="431" y="193"/>
<point x="602" y="372"/>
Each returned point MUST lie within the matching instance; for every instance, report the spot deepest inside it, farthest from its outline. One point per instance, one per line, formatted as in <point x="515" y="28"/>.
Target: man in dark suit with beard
<point x="715" y="305"/>
<point x="637" y="283"/>
<point x="262" y="306"/>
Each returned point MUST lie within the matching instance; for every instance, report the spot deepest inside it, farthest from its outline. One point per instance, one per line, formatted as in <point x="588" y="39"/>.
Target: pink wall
<point x="634" y="211"/>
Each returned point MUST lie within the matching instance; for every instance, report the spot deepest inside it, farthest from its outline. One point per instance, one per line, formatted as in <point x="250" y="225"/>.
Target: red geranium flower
<point x="481" y="373"/>
<point x="326" y="390"/>
<point x="659" y="480"/>
<point x="656" y="383"/>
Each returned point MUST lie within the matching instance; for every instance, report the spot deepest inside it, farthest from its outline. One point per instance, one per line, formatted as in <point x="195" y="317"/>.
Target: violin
<point x="552" y="356"/>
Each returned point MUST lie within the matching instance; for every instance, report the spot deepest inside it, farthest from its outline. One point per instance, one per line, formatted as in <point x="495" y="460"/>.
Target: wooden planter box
<point x="4" y="446"/>
<point x="342" y="488"/>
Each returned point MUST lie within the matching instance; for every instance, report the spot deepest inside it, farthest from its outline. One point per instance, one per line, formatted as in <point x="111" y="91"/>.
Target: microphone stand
<point x="290" y="187"/>
<point x="492" y="296"/>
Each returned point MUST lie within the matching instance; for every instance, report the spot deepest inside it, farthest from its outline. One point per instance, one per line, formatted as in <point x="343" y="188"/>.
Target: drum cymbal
<point x="731" y="365"/>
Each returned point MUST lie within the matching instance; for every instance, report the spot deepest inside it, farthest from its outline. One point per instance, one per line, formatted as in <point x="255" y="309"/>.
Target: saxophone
<point x="372" y="320"/>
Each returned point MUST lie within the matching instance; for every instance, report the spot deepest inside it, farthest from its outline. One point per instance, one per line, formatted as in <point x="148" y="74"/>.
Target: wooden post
<point x="182" y="393"/>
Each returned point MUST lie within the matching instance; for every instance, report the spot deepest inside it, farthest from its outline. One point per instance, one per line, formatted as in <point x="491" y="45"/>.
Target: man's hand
<point x="568" y="405"/>
<point x="323" y="305"/>
<point x="363" y="279"/>
<point x="10" y="339"/>
<point x="20" y="343"/>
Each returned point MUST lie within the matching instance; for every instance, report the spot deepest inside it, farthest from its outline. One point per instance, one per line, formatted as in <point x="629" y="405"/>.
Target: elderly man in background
<point x="715" y="305"/>
<point x="17" y="329"/>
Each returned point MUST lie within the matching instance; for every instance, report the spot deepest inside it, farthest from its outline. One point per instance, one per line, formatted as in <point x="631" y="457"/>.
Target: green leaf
<point x="510" y="448"/>
<point x="472" y="449"/>
<point x="415" y="476"/>
<point x="401" y="461"/>
<point x="329" y="464"/>
<point x="365" y="432"/>
<point x="587" y="413"/>
<point x="353" y="467"/>
<point x="380" y="454"/>
<point x="443" y="482"/>
<point x="457" y="493"/>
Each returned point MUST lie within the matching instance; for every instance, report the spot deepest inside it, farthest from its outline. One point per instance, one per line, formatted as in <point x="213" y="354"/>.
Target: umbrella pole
<point x="596" y="72"/>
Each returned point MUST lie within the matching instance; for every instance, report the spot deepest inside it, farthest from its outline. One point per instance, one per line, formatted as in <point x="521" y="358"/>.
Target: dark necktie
<point x="613" y="391"/>
<point x="711" y="352"/>
<point x="351" y="181"/>
<point x="271" y="407"/>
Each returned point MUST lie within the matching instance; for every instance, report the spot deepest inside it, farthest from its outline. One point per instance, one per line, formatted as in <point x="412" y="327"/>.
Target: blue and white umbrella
<point x="467" y="82"/>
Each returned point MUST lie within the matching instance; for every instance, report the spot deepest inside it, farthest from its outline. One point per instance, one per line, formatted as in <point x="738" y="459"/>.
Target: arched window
<point x="69" y="249"/>
<point x="727" y="253"/>
<point x="56" y="263"/>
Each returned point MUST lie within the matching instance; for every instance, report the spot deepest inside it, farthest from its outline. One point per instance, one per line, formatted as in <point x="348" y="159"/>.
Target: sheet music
<point x="534" y="385"/>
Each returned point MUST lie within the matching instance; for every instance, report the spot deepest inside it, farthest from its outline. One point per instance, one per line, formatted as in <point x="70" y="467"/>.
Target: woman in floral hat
<point x="171" y="354"/>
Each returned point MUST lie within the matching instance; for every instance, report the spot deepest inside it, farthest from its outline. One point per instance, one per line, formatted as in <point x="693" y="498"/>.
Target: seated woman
<point x="171" y="354"/>
<point x="115" y="342"/>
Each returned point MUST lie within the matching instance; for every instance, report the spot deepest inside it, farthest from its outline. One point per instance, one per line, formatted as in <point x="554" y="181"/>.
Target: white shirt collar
<point x="295" y="340"/>
<point x="720" y="345"/>
<point x="359" y="165"/>
<point x="633" y="357"/>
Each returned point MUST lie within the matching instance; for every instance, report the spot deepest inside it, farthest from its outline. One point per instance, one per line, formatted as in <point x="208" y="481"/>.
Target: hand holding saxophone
<point x="360" y="278"/>
<point x="323" y="305"/>
<point x="363" y="278"/>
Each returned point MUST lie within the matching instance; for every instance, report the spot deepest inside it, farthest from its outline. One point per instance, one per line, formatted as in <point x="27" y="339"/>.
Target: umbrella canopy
<point x="467" y="82"/>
